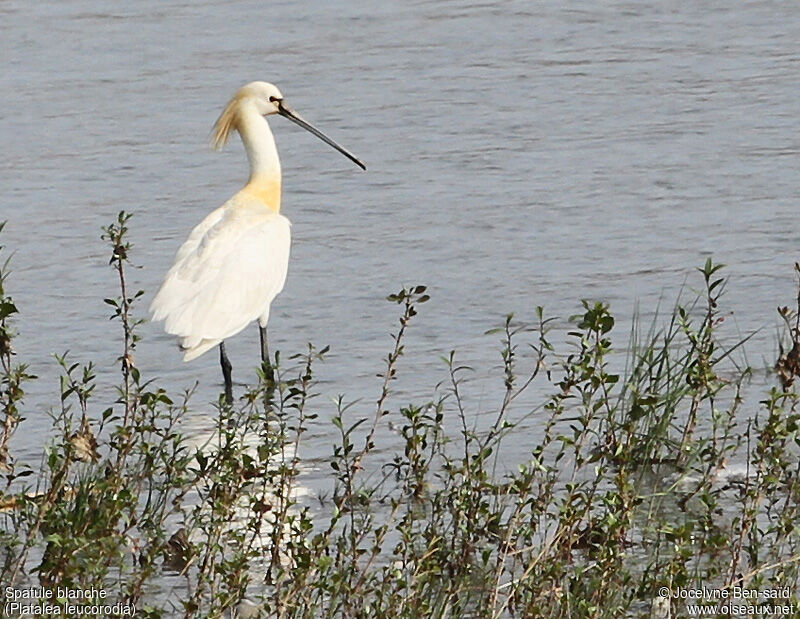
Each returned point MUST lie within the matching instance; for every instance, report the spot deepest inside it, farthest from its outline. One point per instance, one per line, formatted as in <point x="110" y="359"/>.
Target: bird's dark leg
<point x="262" y="331"/>
<point x="226" y="373"/>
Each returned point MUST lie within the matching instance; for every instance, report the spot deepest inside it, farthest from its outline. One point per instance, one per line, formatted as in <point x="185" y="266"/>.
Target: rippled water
<point x="519" y="154"/>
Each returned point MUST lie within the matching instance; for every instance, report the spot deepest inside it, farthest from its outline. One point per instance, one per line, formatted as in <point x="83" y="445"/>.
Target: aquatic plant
<point x="642" y="482"/>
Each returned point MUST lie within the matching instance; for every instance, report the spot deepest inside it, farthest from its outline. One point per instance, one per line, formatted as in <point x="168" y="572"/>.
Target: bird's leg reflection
<point x="226" y="373"/>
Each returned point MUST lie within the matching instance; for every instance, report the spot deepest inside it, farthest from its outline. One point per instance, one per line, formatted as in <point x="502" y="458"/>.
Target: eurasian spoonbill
<point x="234" y="262"/>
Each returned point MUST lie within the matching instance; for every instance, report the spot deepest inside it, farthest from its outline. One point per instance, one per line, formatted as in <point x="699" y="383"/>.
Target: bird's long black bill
<point x="287" y="112"/>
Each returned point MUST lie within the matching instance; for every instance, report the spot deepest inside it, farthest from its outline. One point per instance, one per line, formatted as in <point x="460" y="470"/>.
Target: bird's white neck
<point x="265" y="166"/>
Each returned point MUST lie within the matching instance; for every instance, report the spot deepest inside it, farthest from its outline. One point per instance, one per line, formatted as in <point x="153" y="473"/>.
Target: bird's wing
<point x="199" y="231"/>
<point x="170" y="296"/>
<point x="227" y="278"/>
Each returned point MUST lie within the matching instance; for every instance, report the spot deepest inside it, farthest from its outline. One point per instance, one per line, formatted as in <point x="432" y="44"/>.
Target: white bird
<point x="234" y="262"/>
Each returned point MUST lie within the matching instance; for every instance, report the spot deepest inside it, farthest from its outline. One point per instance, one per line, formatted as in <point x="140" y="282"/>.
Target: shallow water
<point x="519" y="154"/>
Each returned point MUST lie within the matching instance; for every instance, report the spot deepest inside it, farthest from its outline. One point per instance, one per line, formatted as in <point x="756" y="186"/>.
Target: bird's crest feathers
<point x="226" y="123"/>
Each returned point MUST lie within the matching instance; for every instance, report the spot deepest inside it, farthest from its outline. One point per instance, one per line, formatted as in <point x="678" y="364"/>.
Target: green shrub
<point x="627" y="487"/>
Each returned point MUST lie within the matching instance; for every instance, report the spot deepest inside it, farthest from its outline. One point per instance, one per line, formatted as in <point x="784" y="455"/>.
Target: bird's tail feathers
<point x="198" y="349"/>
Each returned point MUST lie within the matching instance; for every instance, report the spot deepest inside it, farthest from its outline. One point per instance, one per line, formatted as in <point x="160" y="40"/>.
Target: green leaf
<point x="6" y="309"/>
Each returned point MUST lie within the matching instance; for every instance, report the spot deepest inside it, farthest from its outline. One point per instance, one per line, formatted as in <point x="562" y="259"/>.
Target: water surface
<point x="519" y="154"/>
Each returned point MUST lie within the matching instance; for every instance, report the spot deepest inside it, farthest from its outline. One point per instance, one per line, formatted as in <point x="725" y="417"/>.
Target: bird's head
<point x="266" y="99"/>
<point x="264" y="96"/>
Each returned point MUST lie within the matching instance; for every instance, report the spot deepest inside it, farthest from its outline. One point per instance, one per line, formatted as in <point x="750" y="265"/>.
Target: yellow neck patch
<point x="267" y="192"/>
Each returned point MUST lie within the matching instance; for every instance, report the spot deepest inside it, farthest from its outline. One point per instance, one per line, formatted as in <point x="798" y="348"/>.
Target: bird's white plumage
<point x="225" y="275"/>
<point x="234" y="262"/>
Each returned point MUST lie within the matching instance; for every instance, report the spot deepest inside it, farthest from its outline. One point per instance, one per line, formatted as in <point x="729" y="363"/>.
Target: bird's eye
<point x="274" y="100"/>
